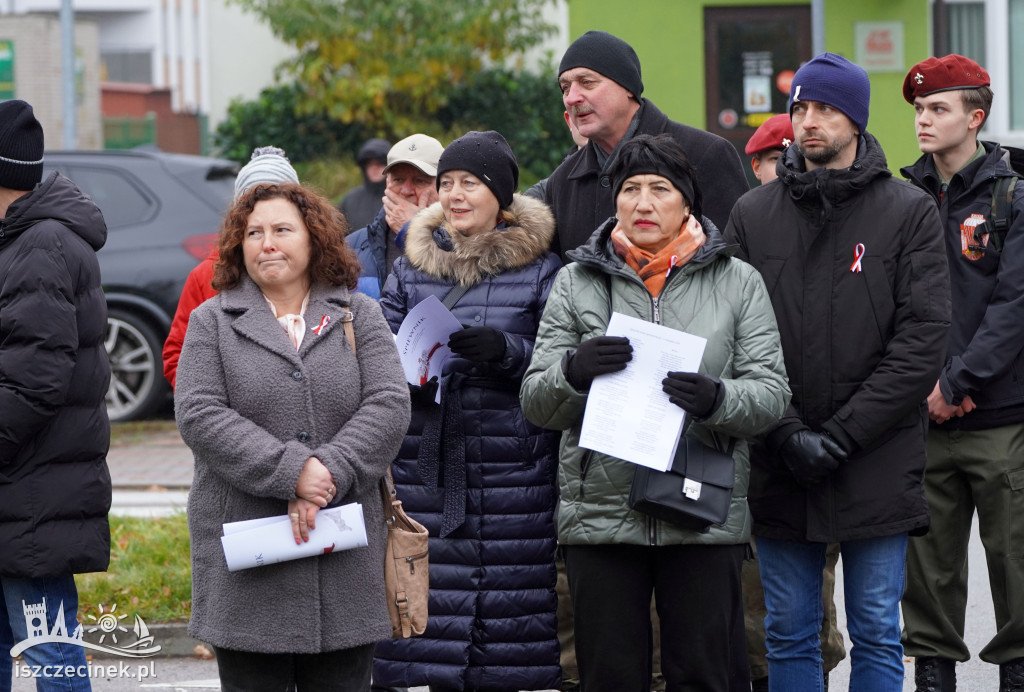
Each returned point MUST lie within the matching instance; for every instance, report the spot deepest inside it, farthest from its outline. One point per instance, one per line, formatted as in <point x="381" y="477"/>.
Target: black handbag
<point x="694" y="493"/>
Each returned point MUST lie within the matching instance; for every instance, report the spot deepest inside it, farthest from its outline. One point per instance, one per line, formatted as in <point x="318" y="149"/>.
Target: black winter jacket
<point x="985" y="356"/>
<point x="582" y="199"/>
<point x="854" y="264"/>
<point x="492" y="622"/>
<point x="54" y="372"/>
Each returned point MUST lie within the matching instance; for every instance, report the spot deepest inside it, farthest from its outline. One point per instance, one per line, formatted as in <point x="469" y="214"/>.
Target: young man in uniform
<point x="976" y="435"/>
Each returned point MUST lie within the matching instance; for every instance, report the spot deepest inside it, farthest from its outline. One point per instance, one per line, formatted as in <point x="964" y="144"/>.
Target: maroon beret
<point x="775" y="133"/>
<point x="943" y="74"/>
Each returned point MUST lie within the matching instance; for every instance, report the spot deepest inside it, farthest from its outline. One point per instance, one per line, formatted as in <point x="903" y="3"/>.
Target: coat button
<point x="303" y="436"/>
<point x="477" y="318"/>
<point x="606" y="181"/>
<point x="296" y="375"/>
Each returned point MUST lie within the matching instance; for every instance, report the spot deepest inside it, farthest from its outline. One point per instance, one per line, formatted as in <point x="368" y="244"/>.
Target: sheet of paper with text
<point x="628" y="416"/>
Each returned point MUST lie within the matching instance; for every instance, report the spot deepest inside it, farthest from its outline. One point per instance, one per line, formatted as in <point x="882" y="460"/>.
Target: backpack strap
<point x="1002" y="200"/>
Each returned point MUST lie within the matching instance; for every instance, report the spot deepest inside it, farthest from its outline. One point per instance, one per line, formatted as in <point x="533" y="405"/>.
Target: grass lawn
<point x="150" y="572"/>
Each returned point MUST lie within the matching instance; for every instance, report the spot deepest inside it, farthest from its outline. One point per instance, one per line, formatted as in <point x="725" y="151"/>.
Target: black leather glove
<point x="811" y="456"/>
<point x="696" y="394"/>
<point x="423" y="394"/>
<point x="483" y="344"/>
<point x="598" y="356"/>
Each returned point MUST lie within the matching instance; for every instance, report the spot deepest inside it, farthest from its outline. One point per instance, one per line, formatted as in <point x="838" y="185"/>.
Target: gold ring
<point x="294" y="515"/>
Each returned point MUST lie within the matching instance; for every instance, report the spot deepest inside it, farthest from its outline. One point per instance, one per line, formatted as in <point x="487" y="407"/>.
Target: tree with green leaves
<point x="395" y="63"/>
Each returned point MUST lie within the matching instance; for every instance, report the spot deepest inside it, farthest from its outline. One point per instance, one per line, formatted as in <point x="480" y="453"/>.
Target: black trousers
<point x="699" y="601"/>
<point x="347" y="670"/>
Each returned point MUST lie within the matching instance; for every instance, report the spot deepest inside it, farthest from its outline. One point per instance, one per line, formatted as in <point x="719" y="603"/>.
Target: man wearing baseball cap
<point x="976" y="435"/>
<point x="409" y="176"/>
<point x="857" y="275"/>
<point x="599" y="76"/>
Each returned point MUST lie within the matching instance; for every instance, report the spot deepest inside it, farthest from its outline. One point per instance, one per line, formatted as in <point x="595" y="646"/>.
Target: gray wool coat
<point x="253" y="409"/>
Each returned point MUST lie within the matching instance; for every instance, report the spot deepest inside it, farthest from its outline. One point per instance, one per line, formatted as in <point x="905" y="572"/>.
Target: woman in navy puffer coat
<point x="472" y="469"/>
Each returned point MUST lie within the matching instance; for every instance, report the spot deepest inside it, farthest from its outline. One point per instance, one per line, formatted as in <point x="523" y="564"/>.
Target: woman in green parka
<point x="661" y="261"/>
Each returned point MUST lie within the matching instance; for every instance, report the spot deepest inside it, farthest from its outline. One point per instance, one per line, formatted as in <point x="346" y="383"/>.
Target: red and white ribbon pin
<point x="858" y="255"/>
<point x="671" y="263"/>
<point x="323" y="323"/>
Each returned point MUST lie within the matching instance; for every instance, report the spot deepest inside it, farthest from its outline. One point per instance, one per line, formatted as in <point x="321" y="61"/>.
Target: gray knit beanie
<point x="21" y="146"/>
<point x="267" y="165"/>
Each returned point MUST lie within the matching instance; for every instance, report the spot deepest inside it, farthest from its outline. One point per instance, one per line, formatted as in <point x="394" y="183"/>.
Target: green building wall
<point x="668" y="35"/>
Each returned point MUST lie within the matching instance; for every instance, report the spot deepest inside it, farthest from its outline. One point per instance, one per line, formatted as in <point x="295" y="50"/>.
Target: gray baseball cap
<point x="421" y="151"/>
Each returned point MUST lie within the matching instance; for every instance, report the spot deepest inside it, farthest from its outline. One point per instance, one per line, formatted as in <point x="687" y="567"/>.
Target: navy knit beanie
<point x="834" y="80"/>
<point x="487" y="156"/>
<point x="608" y="55"/>
<point x="21" y="146"/>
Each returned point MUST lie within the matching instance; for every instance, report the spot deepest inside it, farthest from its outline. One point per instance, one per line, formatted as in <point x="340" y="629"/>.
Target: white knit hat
<point x="268" y="165"/>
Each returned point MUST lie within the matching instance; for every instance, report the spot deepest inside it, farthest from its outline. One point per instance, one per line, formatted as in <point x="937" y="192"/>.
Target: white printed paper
<point x="422" y="341"/>
<point x="628" y="416"/>
<point x="258" y="542"/>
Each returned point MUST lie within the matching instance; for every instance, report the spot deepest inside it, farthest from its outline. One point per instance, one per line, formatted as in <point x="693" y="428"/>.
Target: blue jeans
<point x="874" y="571"/>
<point x="48" y="657"/>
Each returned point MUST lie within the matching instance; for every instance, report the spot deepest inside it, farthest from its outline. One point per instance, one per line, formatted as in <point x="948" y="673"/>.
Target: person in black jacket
<point x="599" y="76"/>
<point x="54" y="431"/>
<point x="976" y="436"/>
<point x="361" y="204"/>
<point x="472" y="469"/>
<point x="854" y="263"/>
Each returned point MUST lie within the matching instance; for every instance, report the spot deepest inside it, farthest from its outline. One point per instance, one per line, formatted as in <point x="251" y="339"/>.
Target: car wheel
<point x="137" y="386"/>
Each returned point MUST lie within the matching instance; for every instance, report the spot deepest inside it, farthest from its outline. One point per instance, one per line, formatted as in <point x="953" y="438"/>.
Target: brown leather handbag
<point x="406" y="570"/>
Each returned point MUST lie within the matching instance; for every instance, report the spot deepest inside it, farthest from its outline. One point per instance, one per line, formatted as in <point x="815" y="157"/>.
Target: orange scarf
<point x="655" y="268"/>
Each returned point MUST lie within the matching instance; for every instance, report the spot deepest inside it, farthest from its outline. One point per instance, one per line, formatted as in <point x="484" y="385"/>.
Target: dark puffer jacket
<point x="854" y="264"/>
<point x="54" y="373"/>
<point x="492" y="603"/>
<point x="371" y="246"/>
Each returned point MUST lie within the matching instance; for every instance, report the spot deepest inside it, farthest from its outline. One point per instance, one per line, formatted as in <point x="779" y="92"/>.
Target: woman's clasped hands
<point x="314" y="490"/>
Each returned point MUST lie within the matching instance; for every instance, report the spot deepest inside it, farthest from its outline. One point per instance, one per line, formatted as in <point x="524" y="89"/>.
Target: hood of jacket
<point x="832" y="187"/>
<point x="598" y="250"/>
<point x="433" y="249"/>
<point x="59" y="199"/>
<point x="975" y="175"/>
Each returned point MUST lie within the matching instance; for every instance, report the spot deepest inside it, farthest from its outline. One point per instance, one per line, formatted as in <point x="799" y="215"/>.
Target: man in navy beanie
<point x="599" y="76"/>
<point x="54" y="432"/>
<point x="855" y="266"/>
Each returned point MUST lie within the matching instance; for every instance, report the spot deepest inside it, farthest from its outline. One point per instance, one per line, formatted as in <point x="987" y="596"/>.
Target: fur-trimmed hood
<point x="433" y="249"/>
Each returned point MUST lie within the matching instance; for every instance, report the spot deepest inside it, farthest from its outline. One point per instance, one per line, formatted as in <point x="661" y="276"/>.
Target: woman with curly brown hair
<point x="283" y="417"/>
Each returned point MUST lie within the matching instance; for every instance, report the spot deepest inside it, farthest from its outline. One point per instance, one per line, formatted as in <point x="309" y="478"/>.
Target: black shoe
<point x="934" y="674"/>
<point x="1011" y="676"/>
<point x="759" y="685"/>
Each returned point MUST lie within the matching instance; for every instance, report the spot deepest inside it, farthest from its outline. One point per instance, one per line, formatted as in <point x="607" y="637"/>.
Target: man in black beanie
<point x="599" y="76"/>
<point x="361" y="204"/>
<point x="54" y="431"/>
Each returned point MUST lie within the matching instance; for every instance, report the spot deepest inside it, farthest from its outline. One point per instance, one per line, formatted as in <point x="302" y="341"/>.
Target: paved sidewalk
<point x="159" y="460"/>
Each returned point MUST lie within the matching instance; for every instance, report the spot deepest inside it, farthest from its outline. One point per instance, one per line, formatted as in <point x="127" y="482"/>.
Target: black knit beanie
<point x="608" y="55"/>
<point x="487" y="156"/>
<point x="21" y="146"/>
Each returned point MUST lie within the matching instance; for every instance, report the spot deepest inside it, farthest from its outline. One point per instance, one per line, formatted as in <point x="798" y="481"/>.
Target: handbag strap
<point x="388" y="496"/>
<point x="454" y="295"/>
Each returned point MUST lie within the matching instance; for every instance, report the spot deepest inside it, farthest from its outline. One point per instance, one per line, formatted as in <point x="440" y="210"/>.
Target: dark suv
<point x="162" y="212"/>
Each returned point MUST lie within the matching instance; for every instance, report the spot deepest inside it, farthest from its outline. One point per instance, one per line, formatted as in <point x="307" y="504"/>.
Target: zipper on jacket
<point x="584" y="466"/>
<point x="652" y="531"/>
<point x="657" y="311"/>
